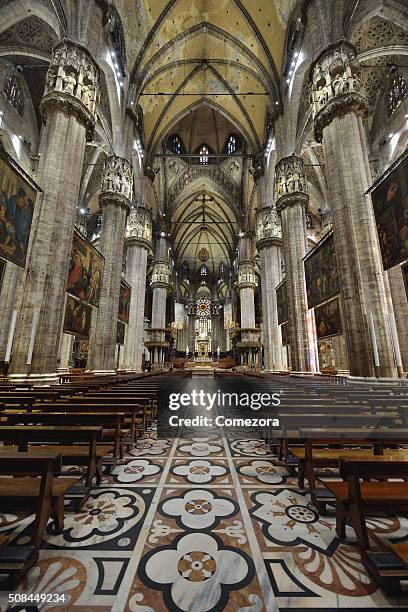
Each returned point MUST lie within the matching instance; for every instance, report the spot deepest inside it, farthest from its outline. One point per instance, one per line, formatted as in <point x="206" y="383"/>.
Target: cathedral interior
<point x="202" y="194"/>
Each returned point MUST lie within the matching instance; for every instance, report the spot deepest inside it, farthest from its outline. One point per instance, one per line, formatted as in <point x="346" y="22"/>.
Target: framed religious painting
<point x="282" y="303"/>
<point x="124" y="301"/>
<point x="322" y="280"/>
<point x="85" y="271"/>
<point x="18" y="194"/>
<point x="77" y="319"/>
<point x="328" y="319"/>
<point x="390" y="202"/>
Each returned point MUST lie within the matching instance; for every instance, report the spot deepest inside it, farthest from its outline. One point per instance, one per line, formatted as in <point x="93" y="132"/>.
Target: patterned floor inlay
<point x="199" y="524"/>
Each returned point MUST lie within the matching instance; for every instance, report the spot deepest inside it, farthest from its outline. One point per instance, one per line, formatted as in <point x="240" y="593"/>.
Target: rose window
<point x="203" y="308"/>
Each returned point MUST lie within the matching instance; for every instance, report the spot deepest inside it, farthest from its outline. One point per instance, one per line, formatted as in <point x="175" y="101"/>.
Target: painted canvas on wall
<point x="282" y="303"/>
<point x="85" y="271"/>
<point x="390" y="202"/>
<point x="328" y="319"/>
<point x="124" y="301"/>
<point x="404" y="270"/>
<point x="322" y="280"/>
<point x="120" y="333"/>
<point x="17" y="199"/>
<point x="285" y="331"/>
<point x="77" y="318"/>
<point x="228" y="318"/>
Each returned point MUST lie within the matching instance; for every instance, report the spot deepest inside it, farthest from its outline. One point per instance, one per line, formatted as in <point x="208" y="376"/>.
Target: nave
<point x="214" y="519"/>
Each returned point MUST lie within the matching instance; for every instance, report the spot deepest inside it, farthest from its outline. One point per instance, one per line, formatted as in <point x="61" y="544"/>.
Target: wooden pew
<point x="134" y="414"/>
<point x="355" y="500"/>
<point x="316" y="453"/>
<point x="112" y="424"/>
<point x="76" y="445"/>
<point x="16" y="561"/>
<point x="25" y="491"/>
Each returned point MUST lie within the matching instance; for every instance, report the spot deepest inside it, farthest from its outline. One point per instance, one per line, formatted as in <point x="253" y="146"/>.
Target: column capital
<point x="290" y="183"/>
<point x="117" y="182"/>
<point x="139" y="228"/>
<point x="336" y="85"/>
<point x="72" y="84"/>
<point x="160" y="275"/>
<point x="246" y="278"/>
<point x="268" y="228"/>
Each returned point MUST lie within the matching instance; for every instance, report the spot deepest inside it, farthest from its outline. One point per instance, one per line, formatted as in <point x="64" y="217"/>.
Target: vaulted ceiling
<point x="226" y="54"/>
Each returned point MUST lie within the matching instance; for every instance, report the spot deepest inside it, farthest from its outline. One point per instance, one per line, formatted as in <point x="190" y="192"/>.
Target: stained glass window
<point x="396" y="94"/>
<point x="203" y="308"/>
<point x="176" y="144"/>
<point x="13" y="92"/>
<point x="204" y="153"/>
<point x="184" y="269"/>
<point x="232" y="145"/>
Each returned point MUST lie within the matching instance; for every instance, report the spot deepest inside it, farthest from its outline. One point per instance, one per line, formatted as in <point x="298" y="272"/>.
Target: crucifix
<point x="204" y="200"/>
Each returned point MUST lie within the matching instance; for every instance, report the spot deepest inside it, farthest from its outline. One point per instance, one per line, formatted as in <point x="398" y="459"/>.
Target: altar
<point x="203" y="345"/>
<point x="202" y="348"/>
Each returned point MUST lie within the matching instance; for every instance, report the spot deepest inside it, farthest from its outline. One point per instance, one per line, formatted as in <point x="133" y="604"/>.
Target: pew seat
<point x="17" y="492"/>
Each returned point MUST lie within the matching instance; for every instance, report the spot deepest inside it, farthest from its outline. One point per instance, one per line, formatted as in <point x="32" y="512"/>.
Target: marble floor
<point x="197" y="523"/>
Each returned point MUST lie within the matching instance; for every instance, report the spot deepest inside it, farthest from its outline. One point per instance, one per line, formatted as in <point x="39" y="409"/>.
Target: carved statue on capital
<point x="118" y="177"/>
<point x="336" y="85"/>
<point x="139" y="226"/>
<point x="290" y="177"/>
<point x="72" y="82"/>
<point x="246" y="276"/>
<point x="268" y="225"/>
<point x="160" y="275"/>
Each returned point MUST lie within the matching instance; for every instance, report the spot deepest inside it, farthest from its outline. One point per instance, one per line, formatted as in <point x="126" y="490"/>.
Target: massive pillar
<point x="138" y="243"/>
<point x="292" y="201"/>
<point x="400" y="303"/>
<point x="69" y="110"/>
<point x="65" y="352"/>
<point x="191" y="328"/>
<point x="249" y="345"/>
<point x="8" y="306"/>
<point x="160" y="285"/>
<point x="338" y="109"/>
<point x="115" y="200"/>
<point x="269" y="245"/>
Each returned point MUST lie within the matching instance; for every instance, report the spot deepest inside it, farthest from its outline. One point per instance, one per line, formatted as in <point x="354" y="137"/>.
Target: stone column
<point x="114" y="200"/>
<point x="191" y="328"/>
<point x="269" y="245"/>
<point x="13" y="275"/>
<point x="400" y="303"/>
<point x="338" y="108"/>
<point x="291" y="204"/>
<point x="160" y="285"/>
<point x="215" y="327"/>
<point x="69" y="110"/>
<point x="65" y="351"/>
<point x="249" y="345"/>
<point x="138" y="243"/>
